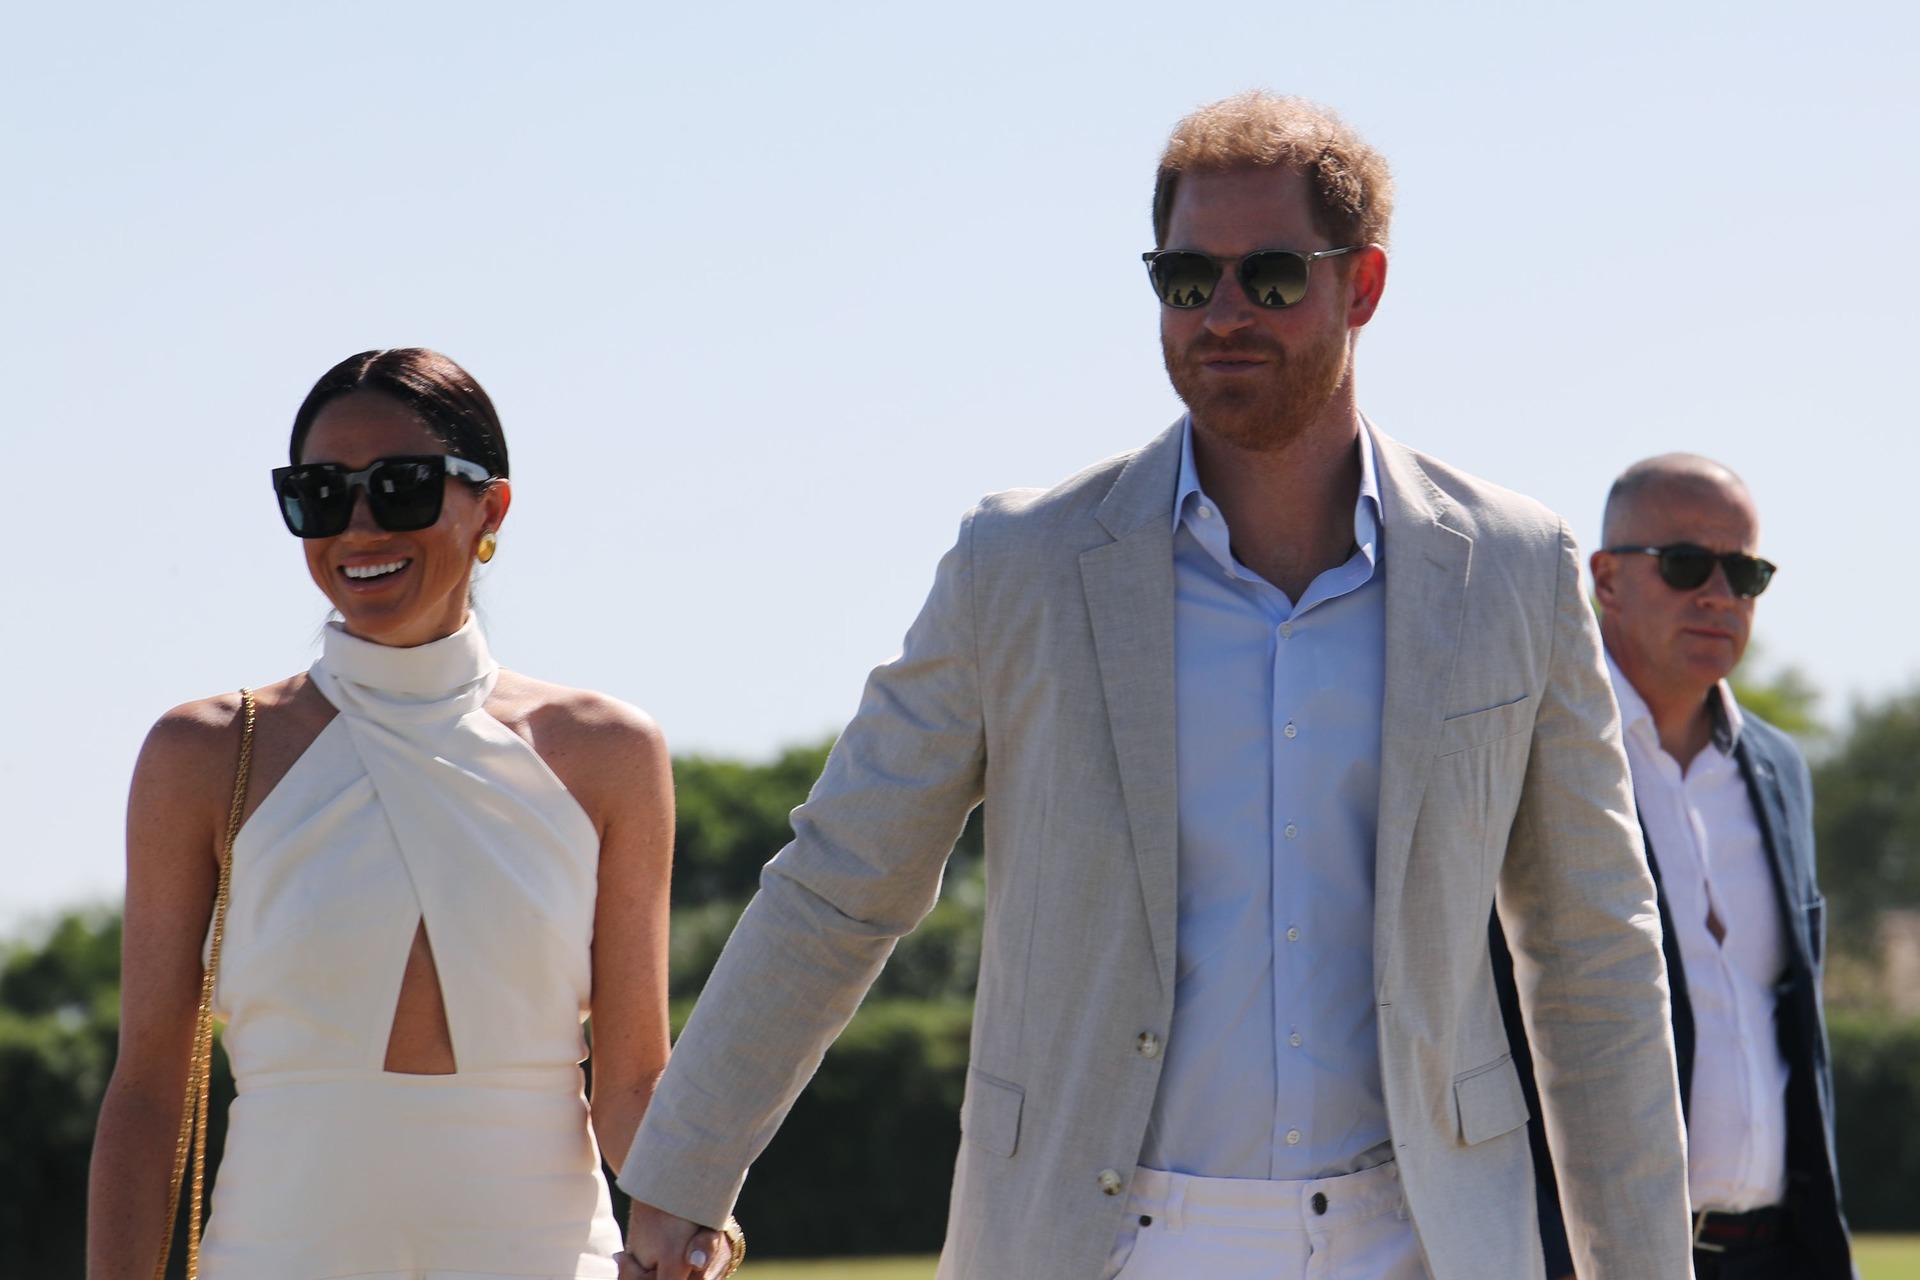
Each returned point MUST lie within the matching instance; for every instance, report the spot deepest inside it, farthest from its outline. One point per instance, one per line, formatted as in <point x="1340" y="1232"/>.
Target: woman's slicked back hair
<point x="445" y="396"/>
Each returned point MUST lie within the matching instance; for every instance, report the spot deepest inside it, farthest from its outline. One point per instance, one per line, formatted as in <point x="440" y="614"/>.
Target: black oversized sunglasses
<point x="403" y="493"/>
<point x="1272" y="277"/>
<point x="1685" y="566"/>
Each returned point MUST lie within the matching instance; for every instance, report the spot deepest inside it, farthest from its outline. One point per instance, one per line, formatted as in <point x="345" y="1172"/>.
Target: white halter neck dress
<point x="412" y="805"/>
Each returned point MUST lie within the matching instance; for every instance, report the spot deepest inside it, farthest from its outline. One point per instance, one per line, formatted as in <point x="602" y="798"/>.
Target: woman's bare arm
<point x="174" y="824"/>
<point x="614" y="760"/>
<point x="630" y="1037"/>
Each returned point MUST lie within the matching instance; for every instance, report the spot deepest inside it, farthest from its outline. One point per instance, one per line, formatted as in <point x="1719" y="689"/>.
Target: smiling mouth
<point x="367" y="572"/>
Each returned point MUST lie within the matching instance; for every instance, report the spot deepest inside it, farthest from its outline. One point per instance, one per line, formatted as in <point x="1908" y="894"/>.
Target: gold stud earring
<point x="489" y="543"/>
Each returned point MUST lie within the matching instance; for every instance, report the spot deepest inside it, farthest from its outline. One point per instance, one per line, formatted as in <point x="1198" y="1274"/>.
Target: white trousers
<point x="1353" y="1227"/>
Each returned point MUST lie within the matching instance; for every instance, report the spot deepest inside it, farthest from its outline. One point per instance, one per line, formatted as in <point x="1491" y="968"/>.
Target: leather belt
<point x="1716" y="1232"/>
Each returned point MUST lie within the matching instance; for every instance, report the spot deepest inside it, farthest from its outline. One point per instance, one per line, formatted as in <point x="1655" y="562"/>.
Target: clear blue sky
<point x="768" y="295"/>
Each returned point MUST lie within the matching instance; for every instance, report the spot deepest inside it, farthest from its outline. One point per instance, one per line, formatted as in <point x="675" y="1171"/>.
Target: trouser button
<point x="1319" y="1202"/>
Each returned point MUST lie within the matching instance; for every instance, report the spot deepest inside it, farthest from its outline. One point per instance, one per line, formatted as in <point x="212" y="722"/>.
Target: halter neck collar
<point x="455" y="673"/>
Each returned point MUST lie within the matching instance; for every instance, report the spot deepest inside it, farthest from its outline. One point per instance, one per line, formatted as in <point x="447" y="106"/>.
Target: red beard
<point x="1269" y="409"/>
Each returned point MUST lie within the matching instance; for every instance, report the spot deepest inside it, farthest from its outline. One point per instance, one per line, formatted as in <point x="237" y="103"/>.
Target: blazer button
<point x="1110" y="1183"/>
<point x="1148" y="1044"/>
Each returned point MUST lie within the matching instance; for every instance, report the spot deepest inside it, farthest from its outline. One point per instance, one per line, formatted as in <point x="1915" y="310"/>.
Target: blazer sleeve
<point x="1578" y="907"/>
<point x="1553" y="1228"/>
<point x="870" y="846"/>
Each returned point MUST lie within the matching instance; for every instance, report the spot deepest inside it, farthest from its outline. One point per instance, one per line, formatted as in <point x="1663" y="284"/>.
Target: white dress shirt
<point x="1713" y="860"/>
<point x="1272" y="1060"/>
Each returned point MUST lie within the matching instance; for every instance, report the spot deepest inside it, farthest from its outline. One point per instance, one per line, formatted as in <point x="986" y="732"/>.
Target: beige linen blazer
<point x="1040" y="678"/>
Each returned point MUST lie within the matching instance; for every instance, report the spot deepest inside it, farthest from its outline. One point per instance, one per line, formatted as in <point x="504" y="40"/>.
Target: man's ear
<point x="1366" y="281"/>
<point x="1603" y="565"/>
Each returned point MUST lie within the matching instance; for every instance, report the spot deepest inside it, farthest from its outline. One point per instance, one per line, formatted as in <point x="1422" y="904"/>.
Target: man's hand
<point x="663" y="1247"/>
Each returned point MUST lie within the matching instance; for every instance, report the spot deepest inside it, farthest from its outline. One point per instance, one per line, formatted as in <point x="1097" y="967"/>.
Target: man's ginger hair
<point x="1352" y="189"/>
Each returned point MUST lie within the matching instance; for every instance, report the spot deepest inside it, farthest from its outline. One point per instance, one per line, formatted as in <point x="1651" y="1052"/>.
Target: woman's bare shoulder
<point x="202" y="736"/>
<point x="582" y="717"/>
<point x="597" y="744"/>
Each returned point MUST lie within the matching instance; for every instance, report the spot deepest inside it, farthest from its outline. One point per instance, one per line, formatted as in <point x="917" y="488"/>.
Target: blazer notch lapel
<point x="1427" y="562"/>
<point x="1143" y="491"/>
<point x="1776" y="831"/>
<point x="1129" y="591"/>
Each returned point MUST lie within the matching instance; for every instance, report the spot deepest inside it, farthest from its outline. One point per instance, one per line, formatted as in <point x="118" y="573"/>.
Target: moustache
<point x="1205" y="348"/>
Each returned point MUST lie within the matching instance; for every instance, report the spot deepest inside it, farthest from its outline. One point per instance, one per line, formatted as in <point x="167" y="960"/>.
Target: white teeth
<point x="373" y="570"/>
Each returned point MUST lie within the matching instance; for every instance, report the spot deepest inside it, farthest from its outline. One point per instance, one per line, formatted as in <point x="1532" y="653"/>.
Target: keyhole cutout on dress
<point x="420" y="1043"/>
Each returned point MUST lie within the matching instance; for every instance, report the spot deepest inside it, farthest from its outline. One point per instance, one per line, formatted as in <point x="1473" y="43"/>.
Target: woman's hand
<point x="654" y="1236"/>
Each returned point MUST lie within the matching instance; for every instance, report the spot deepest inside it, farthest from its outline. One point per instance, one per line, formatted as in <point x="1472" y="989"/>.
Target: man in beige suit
<point x="1268" y="715"/>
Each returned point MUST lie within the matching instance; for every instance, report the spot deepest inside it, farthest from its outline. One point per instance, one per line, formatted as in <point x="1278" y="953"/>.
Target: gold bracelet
<point x="737" y="1239"/>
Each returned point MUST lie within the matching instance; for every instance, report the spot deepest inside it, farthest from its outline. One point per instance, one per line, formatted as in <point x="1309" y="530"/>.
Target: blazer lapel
<point x="1426" y="562"/>
<point x="1770" y="807"/>
<point x="1129" y="591"/>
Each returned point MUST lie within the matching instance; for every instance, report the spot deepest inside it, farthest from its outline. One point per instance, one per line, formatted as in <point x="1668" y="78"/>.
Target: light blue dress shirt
<point x="1272" y="1063"/>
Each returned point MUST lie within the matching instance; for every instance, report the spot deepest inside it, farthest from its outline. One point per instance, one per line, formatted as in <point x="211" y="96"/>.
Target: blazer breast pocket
<point x="990" y="1113"/>
<point x="1478" y="728"/>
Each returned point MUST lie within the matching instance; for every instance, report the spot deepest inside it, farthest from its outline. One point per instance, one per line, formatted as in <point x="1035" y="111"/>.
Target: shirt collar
<point x="1722" y="710"/>
<point x="1366" y="508"/>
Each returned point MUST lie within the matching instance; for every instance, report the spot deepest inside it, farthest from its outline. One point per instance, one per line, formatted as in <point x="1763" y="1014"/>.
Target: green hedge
<point x="52" y="1073"/>
<point x="1876" y="1082"/>
<point x="865" y="1158"/>
<point x="862" y="1164"/>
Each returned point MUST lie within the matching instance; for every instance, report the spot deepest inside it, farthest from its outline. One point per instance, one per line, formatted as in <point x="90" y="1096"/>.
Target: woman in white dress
<point x="443" y="869"/>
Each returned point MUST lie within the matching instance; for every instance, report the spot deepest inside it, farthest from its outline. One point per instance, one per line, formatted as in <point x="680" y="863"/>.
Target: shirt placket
<point x="1287" y="841"/>
<point x="1747" y="1156"/>
<point x="1283" y="832"/>
<point x="1740" y="1171"/>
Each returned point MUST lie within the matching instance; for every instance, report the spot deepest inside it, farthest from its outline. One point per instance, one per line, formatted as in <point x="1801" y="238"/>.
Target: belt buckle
<point x="1700" y="1225"/>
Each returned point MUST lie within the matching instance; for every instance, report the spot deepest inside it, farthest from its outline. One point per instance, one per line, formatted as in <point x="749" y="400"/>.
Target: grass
<point x="1880" y="1258"/>
<point x="1887" y="1257"/>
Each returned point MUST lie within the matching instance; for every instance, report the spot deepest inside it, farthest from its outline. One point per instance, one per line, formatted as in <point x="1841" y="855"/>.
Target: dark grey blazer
<point x="1782" y="793"/>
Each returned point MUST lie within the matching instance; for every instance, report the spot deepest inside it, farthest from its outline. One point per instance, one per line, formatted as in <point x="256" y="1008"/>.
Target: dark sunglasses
<point x="1272" y="277"/>
<point x="1684" y="566"/>
<point x="404" y="493"/>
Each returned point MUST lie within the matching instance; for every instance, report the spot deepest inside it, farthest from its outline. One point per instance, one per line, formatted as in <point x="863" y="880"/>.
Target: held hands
<point x="663" y="1247"/>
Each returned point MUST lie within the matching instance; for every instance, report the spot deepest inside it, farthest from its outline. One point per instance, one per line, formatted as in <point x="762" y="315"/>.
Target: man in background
<point x="1727" y="808"/>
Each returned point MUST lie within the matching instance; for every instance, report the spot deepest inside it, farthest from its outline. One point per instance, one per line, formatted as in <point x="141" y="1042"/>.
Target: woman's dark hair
<point x="444" y="395"/>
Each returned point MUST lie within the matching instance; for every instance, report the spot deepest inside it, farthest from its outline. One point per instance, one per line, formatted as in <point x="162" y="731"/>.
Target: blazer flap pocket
<point x="1478" y="728"/>
<point x="1489" y="1101"/>
<point x="990" y="1114"/>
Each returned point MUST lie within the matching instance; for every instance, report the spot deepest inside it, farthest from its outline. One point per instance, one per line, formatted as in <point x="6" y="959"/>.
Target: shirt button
<point x="1294" y="1039"/>
<point x="1110" y="1183"/>
<point x="1293" y="933"/>
<point x="1292" y="831"/>
<point x="1286" y="631"/>
<point x="1206" y="513"/>
<point x="1148" y="1044"/>
<point x="1293" y="1137"/>
<point x="1290" y="731"/>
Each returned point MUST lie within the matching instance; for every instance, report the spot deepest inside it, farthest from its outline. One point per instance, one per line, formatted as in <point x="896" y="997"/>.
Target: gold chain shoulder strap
<point x="193" y="1116"/>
